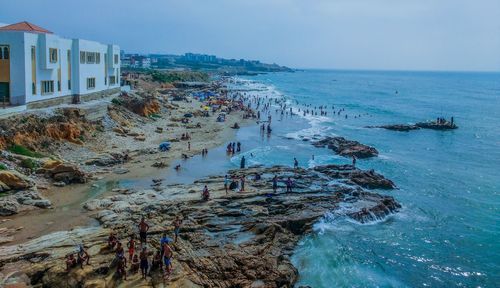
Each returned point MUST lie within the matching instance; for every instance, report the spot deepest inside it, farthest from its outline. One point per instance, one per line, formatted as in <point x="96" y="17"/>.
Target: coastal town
<point x="91" y="138"/>
<point x="77" y="130"/>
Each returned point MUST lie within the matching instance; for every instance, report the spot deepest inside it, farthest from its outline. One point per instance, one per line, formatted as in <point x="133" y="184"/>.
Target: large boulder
<point x="347" y="148"/>
<point x="8" y="207"/>
<point x="108" y="159"/>
<point x="63" y="172"/>
<point x="15" y="180"/>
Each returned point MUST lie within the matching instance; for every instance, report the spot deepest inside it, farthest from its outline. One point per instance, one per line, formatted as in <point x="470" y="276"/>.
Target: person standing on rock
<point x="242" y="162"/>
<point x="83" y="256"/>
<point x="238" y="147"/>
<point x="143" y="231"/>
<point x="242" y="183"/>
<point x="226" y="183"/>
<point x="167" y="259"/>
<point x="295" y="163"/>
<point x="353" y="161"/>
<point x="289" y="184"/>
<point x="121" y="267"/>
<point x="205" y="194"/>
<point x="144" y="262"/>
<point x="131" y="247"/>
<point x="189" y="146"/>
<point x="177" y="227"/>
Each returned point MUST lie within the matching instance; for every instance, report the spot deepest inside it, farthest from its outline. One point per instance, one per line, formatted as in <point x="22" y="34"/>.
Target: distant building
<point x="38" y="67"/>
<point x="136" y="61"/>
<point x="191" y="57"/>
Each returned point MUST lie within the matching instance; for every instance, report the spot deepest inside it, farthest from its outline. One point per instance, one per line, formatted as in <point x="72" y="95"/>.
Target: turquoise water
<point x="448" y="232"/>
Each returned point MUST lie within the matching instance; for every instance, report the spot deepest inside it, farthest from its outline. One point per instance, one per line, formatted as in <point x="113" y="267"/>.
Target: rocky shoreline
<point x="434" y="125"/>
<point x="242" y="239"/>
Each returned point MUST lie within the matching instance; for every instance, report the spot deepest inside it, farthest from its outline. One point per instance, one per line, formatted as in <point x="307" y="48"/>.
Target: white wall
<point x="20" y="65"/>
<point x="42" y="74"/>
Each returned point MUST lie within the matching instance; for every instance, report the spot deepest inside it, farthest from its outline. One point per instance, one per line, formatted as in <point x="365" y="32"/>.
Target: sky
<point x="449" y="35"/>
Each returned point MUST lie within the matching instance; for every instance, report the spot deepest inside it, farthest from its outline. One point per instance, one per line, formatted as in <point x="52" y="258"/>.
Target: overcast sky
<point x="352" y="34"/>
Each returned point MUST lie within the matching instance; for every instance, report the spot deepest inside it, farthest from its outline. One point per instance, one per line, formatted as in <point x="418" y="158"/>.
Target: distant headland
<point x="194" y="61"/>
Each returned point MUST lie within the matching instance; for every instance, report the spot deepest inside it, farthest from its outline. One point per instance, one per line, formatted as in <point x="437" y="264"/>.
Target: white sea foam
<point x="317" y="129"/>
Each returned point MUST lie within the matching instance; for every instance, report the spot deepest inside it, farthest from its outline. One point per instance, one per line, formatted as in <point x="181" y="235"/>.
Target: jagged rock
<point x="108" y="159"/>
<point x="345" y="147"/>
<point x="437" y="126"/>
<point x="41" y="203"/>
<point x="4" y="187"/>
<point x="140" y="138"/>
<point x="95" y="204"/>
<point x="8" y="207"/>
<point x="67" y="173"/>
<point x="59" y="184"/>
<point x="159" y="164"/>
<point x="15" y="180"/>
<point x="235" y="240"/>
<point x="421" y="125"/>
<point x="367" y="179"/>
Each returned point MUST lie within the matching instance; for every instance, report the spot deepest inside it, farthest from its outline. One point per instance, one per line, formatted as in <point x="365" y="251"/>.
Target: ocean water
<point x="448" y="232"/>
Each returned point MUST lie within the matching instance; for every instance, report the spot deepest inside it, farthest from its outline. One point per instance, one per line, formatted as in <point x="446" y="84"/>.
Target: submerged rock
<point x="345" y="147"/>
<point x="421" y="125"/>
<point x="397" y="127"/>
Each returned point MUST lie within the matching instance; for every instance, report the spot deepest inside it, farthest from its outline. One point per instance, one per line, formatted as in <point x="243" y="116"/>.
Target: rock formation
<point x="242" y="239"/>
<point x="347" y="148"/>
<point x="421" y="125"/>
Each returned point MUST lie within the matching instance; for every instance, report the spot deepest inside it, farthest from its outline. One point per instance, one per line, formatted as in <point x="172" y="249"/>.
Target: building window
<point x="53" y="55"/>
<point x="82" y="57"/>
<point x="105" y="80"/>
<point x="97" y="58"/>
<point x="90" y="83"/>
<point x="47" y="87"/>
<point x="112" y="80"/>
<point x="33" y="70"/>
<point x="59" y="86"/>
<point x="116" y="58"/>
<point x="69" y="84"/>
<point x="90" y="57"/>
<point x="6" y="53"/>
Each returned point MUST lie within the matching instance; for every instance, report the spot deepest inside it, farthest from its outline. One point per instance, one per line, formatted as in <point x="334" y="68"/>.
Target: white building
<point x="38" y="68"/>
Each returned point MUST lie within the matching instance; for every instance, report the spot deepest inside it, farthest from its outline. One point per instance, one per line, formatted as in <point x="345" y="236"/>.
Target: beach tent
<point x="164" y="146"/>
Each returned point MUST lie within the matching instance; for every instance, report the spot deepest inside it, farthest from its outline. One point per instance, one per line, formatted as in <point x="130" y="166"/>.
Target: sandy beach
<point x="66" y="211"/>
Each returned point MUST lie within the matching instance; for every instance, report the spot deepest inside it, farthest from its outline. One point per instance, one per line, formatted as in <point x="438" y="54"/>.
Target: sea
<point x="448" y="182"/>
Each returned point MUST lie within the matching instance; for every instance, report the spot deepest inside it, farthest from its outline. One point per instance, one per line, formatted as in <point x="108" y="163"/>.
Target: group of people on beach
<point x="140" y="257"/>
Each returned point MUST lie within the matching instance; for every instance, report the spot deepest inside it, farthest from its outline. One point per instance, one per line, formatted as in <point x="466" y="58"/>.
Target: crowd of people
<point x="141" y="255"/>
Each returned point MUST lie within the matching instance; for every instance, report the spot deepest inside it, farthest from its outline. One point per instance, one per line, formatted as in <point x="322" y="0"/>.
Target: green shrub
<point x="3" y="167"/>
<point x="29" y="163"/>
<point x="21" y="150"/>
<point x="179" y="76"/>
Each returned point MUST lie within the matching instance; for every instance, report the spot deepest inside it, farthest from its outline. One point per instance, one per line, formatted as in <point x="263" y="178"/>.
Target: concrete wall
<point x="94" y="70"/>
<point x="20" y="66"/>
<point x="42" y="74"/>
